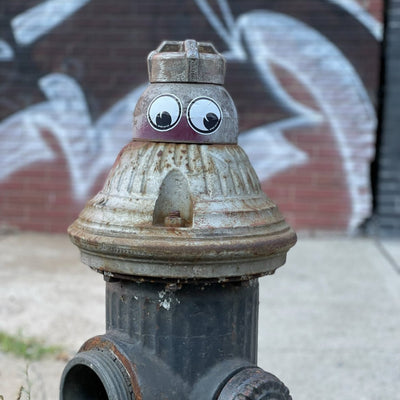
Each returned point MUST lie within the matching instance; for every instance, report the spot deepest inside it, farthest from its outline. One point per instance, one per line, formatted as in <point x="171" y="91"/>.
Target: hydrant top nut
<point x="188" y="61"/>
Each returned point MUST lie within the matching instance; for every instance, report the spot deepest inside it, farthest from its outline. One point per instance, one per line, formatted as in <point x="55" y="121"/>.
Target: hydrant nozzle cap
<point x="188" y="61"/>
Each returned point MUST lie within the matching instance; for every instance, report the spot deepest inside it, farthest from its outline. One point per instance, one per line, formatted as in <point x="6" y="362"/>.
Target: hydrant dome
<point x="217" y="222"/>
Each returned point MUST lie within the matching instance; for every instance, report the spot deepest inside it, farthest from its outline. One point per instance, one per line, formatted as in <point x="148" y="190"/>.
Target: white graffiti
<point x="88" y="148"/>
<point x="360" y="13"/>
<point x="6" y="51"/>
<point x="25" y="146"/>
<point x="269" y="150"/>
<point x="278" y="155"/>
<point x="42" y="18"/>
<point x="271" y="39"/>
<point x="274" y="38"/>
<point x="334" y="85"/>
<point x="226" y="29"/>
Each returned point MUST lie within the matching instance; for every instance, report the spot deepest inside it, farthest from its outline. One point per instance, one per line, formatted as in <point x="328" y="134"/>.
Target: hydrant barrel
<point x="181" y="232"/>
<point x="176" y="322"/>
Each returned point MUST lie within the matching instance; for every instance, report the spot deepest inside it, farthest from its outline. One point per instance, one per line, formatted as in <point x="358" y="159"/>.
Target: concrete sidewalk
<point x="329" y="320"/>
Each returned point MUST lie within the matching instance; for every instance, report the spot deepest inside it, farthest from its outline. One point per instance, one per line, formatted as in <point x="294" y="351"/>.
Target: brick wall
<point x="303" y="75"/>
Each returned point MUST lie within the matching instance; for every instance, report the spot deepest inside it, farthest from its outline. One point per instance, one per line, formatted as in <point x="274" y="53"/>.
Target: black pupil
<point x="210" y="121"/>
<point x="163" y="119"/>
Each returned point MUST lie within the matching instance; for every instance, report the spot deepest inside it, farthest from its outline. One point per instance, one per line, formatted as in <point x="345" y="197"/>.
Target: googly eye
<point x="164" y="112"/>
<point x="204" y="115"/>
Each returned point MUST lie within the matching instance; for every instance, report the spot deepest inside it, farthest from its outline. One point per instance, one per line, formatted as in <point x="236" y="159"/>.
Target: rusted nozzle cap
<point x="187" y="61"/>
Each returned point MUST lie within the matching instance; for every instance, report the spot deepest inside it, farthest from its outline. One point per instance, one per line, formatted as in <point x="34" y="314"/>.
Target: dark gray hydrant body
<point x="181" y="232"/>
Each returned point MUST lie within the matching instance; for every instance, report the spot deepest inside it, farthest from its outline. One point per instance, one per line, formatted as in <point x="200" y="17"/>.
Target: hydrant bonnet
<point x="178" y="202"/>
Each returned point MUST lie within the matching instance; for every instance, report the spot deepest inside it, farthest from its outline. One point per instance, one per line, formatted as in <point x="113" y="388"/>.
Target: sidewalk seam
<point x="381" y="248"/>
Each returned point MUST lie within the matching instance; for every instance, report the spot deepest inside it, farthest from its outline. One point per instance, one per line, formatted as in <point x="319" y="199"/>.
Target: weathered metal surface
<point x="185" y="102"/>
<point x="96" y="374"/>
<point x="187" y="61"/>
<point x="190" y="327"/>
<point x="104" y="344"/>
<point x="188" y="109"/>
<point x="230" y="228"/>
<point x="182" y="200"/>
<point x="254" y="384"/>
<point x="181" y="230"/>
<point x="148" y="376"/>
<point x="164" y="341"/>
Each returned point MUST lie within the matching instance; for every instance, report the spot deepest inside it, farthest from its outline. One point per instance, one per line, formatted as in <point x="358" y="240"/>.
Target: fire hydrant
<point x="181" y="232"/>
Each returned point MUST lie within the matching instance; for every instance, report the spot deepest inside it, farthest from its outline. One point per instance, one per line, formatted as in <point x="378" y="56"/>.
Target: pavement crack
<point x="389" y="258"/>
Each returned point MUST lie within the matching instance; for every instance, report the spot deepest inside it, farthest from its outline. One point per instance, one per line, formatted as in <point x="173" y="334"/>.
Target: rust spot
<point x="174" y="219"/>
<point x="160" y="153"/>
<point x="100" y="342"/>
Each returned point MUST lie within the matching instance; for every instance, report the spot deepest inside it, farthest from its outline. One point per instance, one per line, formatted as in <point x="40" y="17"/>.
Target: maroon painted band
<point x="181" y="133"/>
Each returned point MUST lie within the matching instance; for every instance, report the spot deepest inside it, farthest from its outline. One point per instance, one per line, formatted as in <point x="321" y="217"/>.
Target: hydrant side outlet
<point x="181" y="232"/>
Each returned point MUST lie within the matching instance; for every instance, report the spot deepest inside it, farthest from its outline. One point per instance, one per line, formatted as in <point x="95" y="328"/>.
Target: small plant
<point x="28" y="348"/>
<point x="24" y="393"/>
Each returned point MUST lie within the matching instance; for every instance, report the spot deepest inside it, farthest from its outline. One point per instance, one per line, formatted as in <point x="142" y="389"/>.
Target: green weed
<point x="28" y="348"/>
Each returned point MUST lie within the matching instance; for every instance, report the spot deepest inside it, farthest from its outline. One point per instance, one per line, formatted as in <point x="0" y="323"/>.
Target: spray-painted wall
<point x="303" y="74"/>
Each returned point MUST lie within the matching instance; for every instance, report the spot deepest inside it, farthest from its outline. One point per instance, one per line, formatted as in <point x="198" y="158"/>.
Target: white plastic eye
<point x="204" y="115"/>
<point x="164" y="112"/>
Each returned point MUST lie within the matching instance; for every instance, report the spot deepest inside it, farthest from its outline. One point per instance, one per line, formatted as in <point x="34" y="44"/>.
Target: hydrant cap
<point x="188" y="61"/>
<point x="186" y="101"/>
